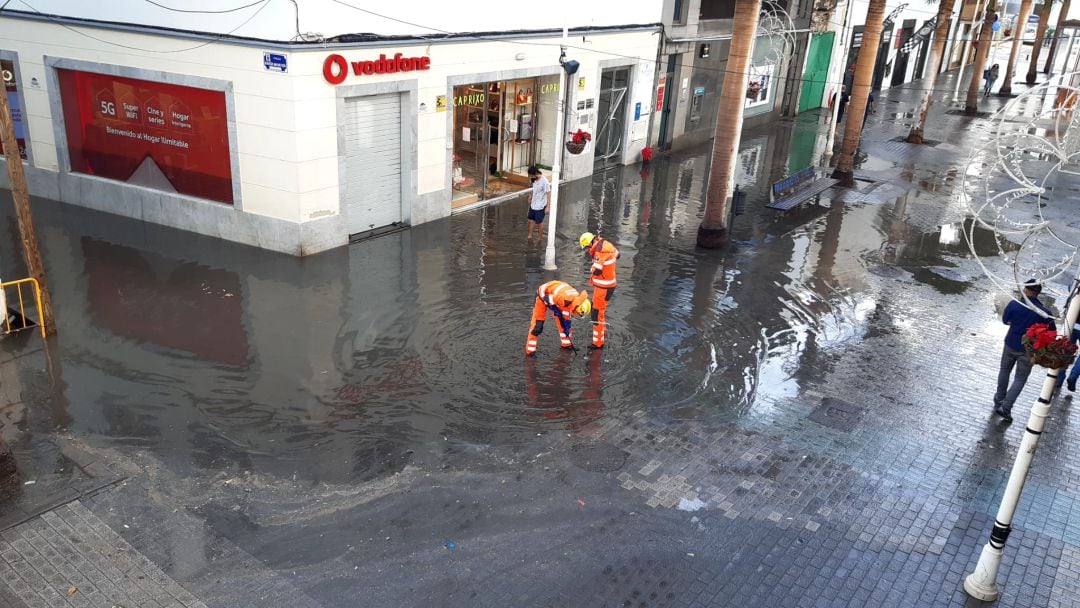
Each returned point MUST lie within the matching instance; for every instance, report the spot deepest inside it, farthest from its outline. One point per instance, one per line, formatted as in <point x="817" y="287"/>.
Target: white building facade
<point x="296" y="142"/>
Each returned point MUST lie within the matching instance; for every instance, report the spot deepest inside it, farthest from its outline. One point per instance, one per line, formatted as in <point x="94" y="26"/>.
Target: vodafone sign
<point x="336" y="68"/>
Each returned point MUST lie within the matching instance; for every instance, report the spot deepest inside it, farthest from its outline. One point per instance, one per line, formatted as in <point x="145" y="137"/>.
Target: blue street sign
<point x="276" y="62"/>
<point x="637" y="111"/>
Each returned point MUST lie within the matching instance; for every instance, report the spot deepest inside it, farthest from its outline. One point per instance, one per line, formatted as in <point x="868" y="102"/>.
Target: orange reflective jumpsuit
<point x="561" y="299"/>
<point x="603" y="281"/>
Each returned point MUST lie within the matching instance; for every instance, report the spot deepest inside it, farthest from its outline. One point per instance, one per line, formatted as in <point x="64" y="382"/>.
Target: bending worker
<point x="602" y="278"/>
<point x="562" y="300"/>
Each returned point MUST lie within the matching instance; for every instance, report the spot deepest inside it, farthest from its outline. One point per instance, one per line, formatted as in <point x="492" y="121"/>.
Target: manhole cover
<point x="597" y="457"/>
<point x="926" y="142"/>
<point x="949" y="274"/>
<point x="837" y="414"/>
<point x="972" y="115"/>
<point x="889" y="272"/>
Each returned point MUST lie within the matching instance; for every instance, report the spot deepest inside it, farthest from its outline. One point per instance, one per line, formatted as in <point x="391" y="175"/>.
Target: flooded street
<point x="360" y="427"/>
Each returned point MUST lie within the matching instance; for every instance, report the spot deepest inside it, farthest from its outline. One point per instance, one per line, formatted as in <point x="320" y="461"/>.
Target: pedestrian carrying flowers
<point x="1020" y="318"/>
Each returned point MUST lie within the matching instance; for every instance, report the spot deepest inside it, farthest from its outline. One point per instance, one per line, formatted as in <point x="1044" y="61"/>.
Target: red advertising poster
<point x="158" y="135"/>
<point x="11" y="89"/>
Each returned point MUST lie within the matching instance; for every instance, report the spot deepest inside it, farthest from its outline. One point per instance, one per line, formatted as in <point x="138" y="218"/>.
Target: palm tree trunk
<point x="1057" y="36"/>
<point x="864" y="76"/>
<point x="713" y="232"/>
<point x="1014" y="53"/>
<point x="941" y="34"/>
<point x="986" y="37"/>
<point x="1040" y="37"/>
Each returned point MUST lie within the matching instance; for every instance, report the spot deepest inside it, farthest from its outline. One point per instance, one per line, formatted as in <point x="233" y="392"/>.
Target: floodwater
<point x="348" y="365"/>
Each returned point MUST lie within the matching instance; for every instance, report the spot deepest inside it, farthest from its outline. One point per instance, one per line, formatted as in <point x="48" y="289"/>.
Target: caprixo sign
<point x="336" y="68"/>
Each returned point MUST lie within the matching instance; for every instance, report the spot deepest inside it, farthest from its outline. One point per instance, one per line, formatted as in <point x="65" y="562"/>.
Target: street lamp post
<point x="568" y="68"/>
<point x="982" y="583"/>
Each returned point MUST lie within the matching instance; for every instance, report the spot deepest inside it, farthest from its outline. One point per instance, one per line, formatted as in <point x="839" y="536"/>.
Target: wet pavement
<point x="802" y="419"/>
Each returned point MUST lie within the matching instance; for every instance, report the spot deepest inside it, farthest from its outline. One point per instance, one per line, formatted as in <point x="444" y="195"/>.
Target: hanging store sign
<point x="660" y="86"/>
<point x="336" y="68"/>
<point x="152" y="134"/>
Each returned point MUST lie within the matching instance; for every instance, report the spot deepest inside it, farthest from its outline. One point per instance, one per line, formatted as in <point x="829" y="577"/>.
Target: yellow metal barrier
<point x="26" y="324"/>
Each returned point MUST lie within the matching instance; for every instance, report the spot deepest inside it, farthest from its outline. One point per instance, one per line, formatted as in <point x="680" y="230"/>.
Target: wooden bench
<point x="798" y="188"/>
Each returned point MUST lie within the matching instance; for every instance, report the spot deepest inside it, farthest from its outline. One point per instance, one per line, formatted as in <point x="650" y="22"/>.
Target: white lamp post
<point x="1006" y="178"/>
<point x="982" y="583"/>
<point x="568" y="69"/>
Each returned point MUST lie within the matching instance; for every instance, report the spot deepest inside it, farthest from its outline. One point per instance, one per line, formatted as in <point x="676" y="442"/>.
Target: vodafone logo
<point x="336" y="68"/>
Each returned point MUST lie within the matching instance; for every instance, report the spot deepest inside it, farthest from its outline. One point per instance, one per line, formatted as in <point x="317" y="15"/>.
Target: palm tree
<point x="941" y="34"/>
<point x="986" y="35"/>
<point x="1040" y="38"/>
<point x="1057" y="36"/>
<point x="864" y="76"/>
<point x="1014" y="53"/>
<point x="713" y="232"/>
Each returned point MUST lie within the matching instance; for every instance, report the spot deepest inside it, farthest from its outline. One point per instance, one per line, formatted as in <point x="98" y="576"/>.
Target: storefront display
<point x="163" y="136"/>
<point x="11" y="88"/>
<point x="496" y="137"/>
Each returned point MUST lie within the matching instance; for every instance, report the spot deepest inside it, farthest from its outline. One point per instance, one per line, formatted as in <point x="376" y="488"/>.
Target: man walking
<point x="602" y="278"/>
<point x="1019" y="318"/>
<point x="990" y="76"/>
<point x="538" y="202"/>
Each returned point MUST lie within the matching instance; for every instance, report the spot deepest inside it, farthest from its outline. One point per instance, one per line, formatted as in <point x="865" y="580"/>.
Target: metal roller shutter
<point x="372" y="180"/>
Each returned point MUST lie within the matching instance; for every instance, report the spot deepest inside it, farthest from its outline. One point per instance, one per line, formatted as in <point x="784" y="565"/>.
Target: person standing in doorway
<point x="539" y="200"/>
<point x="1019" y="317"/>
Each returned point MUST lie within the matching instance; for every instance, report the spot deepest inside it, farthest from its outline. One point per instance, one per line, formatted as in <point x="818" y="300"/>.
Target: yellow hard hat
<point x="586" y="239"/>
<point x="583" y="308"/>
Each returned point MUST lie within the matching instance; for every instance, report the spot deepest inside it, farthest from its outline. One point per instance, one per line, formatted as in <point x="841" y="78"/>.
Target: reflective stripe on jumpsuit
<point x="548" y="296"/>
<point x="603" y="280"/>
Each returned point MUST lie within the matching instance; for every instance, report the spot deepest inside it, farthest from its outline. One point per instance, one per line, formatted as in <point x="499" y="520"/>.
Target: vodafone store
<point x="301" y="147"/>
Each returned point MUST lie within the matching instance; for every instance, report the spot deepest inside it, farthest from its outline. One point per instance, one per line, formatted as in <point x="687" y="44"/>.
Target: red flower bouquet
<point x="1046" y="348"/>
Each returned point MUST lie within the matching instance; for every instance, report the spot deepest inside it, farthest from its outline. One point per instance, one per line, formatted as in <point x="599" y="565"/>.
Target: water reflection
<point x="349" y="365"/>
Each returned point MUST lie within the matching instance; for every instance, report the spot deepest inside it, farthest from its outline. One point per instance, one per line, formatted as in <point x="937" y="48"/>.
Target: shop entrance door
<point x="372" y="176"/>
<point x="611" y="110"/>
<point x="495" y="134"/>
<point x="899" y="75"/>
<point x="817" y="71"/>
<point x="663" y="102"/>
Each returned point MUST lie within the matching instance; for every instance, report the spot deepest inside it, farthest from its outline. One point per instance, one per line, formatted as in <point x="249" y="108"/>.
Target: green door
<point x="817" y="71"/>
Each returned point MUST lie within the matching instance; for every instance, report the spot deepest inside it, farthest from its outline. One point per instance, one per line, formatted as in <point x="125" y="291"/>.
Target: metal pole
<point x="966" y="49"/>
<point x="556" y="167"/>
<point x="982" y="583"/>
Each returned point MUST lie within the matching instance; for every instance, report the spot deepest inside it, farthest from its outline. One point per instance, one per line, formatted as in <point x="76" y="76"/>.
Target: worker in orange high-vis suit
<point x="602" y="278"/>
<point x="562" y="300"/>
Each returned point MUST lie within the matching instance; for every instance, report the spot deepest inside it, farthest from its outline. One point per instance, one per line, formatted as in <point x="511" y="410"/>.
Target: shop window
<point x="759" y="87"/>
<point x="152" y="134"/>
<point x="11" y="89"/>
<point x="717" y="9"/>
<point x="679" y="15"/>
